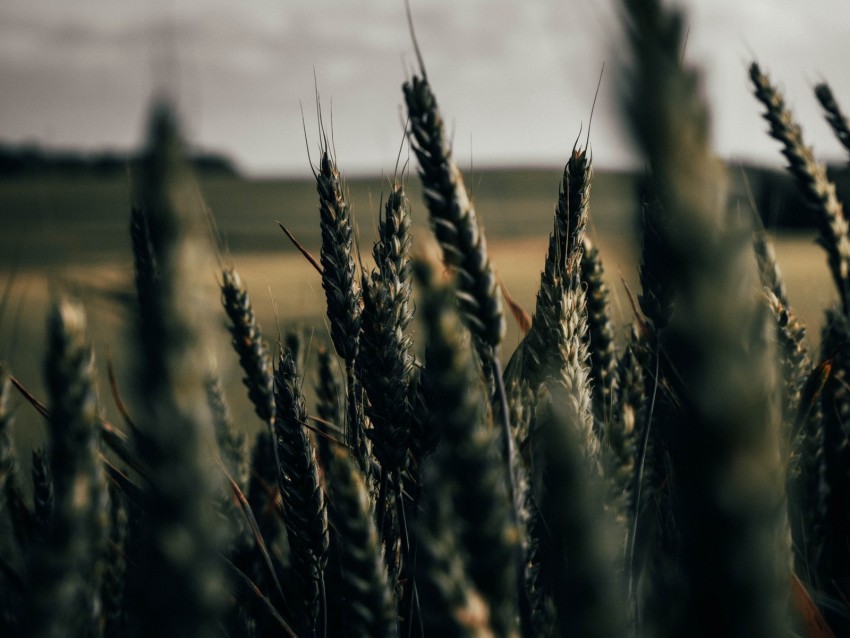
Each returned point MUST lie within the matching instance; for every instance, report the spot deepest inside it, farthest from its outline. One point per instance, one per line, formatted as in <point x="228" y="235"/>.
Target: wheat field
<point x="525" y="403"/>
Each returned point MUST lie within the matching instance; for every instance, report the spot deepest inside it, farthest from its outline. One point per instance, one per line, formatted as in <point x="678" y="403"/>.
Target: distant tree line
<point x="770" y="191"/>
<point x="776" y="197"/>
<point x="33" y="160"/>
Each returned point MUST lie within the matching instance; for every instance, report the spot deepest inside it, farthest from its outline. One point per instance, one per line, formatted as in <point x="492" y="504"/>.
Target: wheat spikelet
<point x="386" y="368"/>
<point x="233" y="458"/>
<point x="568" y="364"/>
<point x="385" y="363"/>
<point x="42" y="492"/>
<point x="262" y="487"/>
<point x="451" y="606"/>
<point x="573" y="203"/>
<point x="622" y="433"/>
<point x="329" y="402"/>
<point x="601" y="338"/>
<point x="769" y="273"/>
<point x="819" y="193"/>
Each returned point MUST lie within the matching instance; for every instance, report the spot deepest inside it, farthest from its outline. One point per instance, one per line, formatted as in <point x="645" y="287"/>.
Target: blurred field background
<point x="71" y="233"/>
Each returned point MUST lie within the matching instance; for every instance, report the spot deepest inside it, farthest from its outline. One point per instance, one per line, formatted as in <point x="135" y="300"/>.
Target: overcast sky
<point x="515" y="80"/>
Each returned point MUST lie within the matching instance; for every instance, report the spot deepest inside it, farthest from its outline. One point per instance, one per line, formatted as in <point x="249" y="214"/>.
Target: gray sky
<point x="515" y="80"/>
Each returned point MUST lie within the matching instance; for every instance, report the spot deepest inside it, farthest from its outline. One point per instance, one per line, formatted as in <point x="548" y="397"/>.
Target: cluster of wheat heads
<point x="693" y="482"/>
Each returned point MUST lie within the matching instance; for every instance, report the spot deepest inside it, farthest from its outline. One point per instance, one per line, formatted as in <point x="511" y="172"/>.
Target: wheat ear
<point x="715" y="342"/>
<point x="544" y="351"/>
<point x="343" y="297"/>
<point x="836" y="118"/>
<point x="810" y="175"/>
<point x="600" y="335"/>
<point x="232" y="444"/>
<point x="179" y="498"/>
<point x="453" y="217"/>
<point x="470" y="459"/>
<point x="304" y="508"/>
<point x="386" y="360"/>
<point x="582" y="573"/>
<point x="834" y="564"/>
<point x="67" y="570"/>
<point x="249" y="344"/>
<point x="369" y="609"/>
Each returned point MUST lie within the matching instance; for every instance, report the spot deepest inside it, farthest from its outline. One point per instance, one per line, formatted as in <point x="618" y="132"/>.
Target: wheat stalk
<point x="7" y="448"/>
